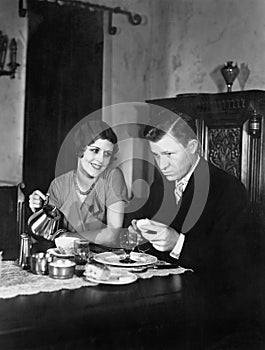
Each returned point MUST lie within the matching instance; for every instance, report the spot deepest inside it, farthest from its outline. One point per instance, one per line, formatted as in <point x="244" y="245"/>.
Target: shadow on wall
<point x="218" y="79"/>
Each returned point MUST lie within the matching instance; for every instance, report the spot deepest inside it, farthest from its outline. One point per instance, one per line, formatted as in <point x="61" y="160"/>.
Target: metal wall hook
<point x="134" y="19"/>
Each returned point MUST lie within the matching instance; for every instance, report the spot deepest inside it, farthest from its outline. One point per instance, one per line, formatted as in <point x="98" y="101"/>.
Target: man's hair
<point x="91" y="131"/>
<point x="179" y="125"/>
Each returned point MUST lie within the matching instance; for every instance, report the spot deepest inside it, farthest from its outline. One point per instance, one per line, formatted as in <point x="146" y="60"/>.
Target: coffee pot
<point x="45" y="222"/>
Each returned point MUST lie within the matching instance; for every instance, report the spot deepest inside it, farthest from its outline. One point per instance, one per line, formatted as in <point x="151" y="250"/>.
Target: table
<point x="162" y="312"/>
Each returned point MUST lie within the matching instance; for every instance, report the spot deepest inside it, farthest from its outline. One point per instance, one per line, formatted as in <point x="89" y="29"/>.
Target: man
<point x="204" y="210"/>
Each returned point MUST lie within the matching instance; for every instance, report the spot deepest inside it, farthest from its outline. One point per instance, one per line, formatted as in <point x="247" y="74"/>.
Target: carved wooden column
<point x="220" y="131"/>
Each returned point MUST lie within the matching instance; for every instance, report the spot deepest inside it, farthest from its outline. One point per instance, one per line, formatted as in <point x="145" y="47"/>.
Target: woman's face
<point x="173" y="159"/>
<point x="96" y="157"/>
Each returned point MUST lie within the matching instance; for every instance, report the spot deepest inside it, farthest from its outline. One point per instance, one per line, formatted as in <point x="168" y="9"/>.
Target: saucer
<point x="117" y="276"/>
<point x="56" y="252"/>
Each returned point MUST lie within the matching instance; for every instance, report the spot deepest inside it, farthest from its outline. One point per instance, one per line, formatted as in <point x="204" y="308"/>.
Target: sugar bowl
<point x="61" y="269"/>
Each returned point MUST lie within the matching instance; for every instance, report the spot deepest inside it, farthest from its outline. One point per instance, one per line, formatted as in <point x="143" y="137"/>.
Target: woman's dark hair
<point x="91" y="131"/>
<point x="179" y="125"/>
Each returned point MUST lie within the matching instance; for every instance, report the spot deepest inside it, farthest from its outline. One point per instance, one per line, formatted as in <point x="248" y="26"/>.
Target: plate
<point x="118" y="277"/>
<point x="109" y="258"/>
<point x="56" y="252"/>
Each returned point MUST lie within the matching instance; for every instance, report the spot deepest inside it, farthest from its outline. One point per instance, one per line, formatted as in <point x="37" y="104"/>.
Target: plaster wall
<point x="179" y="48"/>
<point x="198" y="38"/>
<point x="12" y="97"/>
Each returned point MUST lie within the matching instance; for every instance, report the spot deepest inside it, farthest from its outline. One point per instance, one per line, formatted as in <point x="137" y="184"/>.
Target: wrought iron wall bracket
<point x="134" y="19"/>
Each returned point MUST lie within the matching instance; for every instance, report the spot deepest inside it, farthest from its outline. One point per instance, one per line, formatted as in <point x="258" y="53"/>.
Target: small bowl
<point x="61" y="269"/>
<point x="65" y="245"/>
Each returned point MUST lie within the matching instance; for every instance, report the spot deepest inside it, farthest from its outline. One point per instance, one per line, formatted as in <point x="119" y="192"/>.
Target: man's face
<point x="96" y="157"/>
<point x="173" y="159"/>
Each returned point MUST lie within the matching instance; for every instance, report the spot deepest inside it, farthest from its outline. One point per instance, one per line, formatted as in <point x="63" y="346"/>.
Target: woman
<point x="92" y="197"/>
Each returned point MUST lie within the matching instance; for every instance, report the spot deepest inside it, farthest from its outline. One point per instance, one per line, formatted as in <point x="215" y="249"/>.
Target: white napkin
<point x="149" y="228"/>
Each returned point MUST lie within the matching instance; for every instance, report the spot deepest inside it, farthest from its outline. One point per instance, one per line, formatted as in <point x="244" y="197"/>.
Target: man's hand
<point x="164" y="240"/>
<point x="133" y="229"/>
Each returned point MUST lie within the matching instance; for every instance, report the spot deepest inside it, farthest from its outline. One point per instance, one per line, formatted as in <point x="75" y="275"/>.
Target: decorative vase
<point x="230" y="71"/>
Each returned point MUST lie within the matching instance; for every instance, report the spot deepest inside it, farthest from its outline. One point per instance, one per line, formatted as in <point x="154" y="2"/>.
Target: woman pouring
<point x="91" y="197"/>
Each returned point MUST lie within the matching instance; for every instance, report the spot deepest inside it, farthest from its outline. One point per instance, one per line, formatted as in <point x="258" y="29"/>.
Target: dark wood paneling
<point x="9" y="240"/>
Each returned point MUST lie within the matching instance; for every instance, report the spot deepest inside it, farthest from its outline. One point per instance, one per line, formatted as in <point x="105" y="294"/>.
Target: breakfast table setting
<point x="43" y="271"/>
<point x="73" y="262"/>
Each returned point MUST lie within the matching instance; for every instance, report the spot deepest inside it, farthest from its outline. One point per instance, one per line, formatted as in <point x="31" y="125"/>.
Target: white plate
<point x="109" y="258"/>
<point x="56" y="252"/>
<point x="117" y="276"/>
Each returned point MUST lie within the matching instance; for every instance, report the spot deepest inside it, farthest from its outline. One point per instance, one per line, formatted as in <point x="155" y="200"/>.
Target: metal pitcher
<point x="45" y="222"/>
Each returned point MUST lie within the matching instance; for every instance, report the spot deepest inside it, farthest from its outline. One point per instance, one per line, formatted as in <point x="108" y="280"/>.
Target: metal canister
<point x="24" y="251"/>
<point x="39" y="263"/>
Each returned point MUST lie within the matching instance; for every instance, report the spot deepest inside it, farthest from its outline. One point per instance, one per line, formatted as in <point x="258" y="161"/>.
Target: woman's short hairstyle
<point x="93" y="130"/>
<point x="179" y="125"/>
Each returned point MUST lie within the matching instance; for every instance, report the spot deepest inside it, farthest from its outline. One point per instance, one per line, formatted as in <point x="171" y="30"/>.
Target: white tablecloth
<point x="14" y="281"/>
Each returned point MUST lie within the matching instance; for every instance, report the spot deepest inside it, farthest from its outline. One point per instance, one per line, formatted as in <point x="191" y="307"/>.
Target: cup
<point x="39" y="264"/>
<point x="81" y="251"/>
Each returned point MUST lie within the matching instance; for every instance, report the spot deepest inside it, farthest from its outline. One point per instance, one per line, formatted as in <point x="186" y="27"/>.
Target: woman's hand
<point x="36" y="200"/>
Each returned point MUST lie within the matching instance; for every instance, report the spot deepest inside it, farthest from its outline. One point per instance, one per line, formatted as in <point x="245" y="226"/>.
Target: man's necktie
<point x="179" y="188"/>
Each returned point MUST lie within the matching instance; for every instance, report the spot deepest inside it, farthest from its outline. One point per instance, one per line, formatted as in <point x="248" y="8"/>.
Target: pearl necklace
<point x="78" y="189"/>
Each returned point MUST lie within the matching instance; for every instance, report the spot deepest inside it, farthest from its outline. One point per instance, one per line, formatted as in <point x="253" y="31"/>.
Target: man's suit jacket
<point x="214" y="216"/>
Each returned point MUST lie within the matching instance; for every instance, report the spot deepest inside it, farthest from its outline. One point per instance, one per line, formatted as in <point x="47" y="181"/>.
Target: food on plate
<point x="97" y="271"/>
